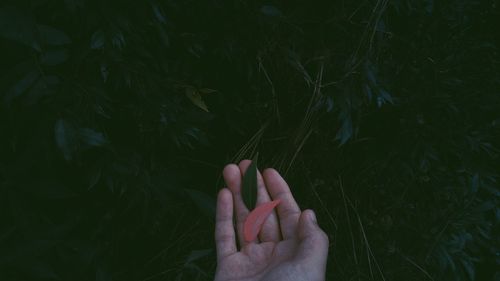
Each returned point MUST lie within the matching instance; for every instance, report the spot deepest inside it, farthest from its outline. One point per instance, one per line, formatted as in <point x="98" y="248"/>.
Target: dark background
<point x="117" y="117"/>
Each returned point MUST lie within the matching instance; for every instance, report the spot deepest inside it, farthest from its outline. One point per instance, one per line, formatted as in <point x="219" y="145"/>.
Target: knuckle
<point x="223" y="238"/>
<point x="281" y="194"/>
<point x="290" y="212"/>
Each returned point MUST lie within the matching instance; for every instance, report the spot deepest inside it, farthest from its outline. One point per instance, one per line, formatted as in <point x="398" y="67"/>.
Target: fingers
<point x="232" y="177"/>
<point x="288" y="210"/>
<point x="314" y="243"/>
<point x="270" y="229"/>
<point x="225" y="240"/>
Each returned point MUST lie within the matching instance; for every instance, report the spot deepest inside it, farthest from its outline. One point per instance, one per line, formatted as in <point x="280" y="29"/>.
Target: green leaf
<point x="469" y="268"/>
<point x="368" y="92"/>
<point x="18" y="26"/>
<point x="52" y="36"/>
<point x="196" y="98"/>
<point x="249" y="186"/>
<point x="384" y="97"/>
<point x="65" y="138"/>
<point x="370" y="75"/>
<point x="97" y="41"/>
<point x="475" y="183"/>
<point x="160" y="16"/>
<point x="92" y="137"/>
<point x="163" y="35"/>
<point x="54" y="57"/>
<point x="22" y="85"/>
<point x="329" y="104"/>
<point x="44" y="86"/>
<point x="345" y="131"/>
<point x="271" y="11"/>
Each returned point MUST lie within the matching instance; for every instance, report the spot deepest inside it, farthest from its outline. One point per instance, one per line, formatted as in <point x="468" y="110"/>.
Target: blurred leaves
<point x="97" y="41"/>
<point x="52" y="36"/>
<point x="65" y="137"/>
<point x="54" y="57"/>
<point x="271" y="11"/>
<point x="22" y="85"/>
<point x="69" y="139"/>
<point x="18" y="26"/>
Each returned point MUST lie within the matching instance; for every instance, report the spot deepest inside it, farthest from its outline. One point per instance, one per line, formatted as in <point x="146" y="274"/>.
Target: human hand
<point x="290" y="246"/>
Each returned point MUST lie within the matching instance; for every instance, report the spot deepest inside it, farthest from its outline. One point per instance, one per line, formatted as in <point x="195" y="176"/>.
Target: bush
<point x="118" y="117"/>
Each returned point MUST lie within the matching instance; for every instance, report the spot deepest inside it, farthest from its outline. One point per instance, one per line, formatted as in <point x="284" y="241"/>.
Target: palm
<point x="260" y="261"/>
<point x="291" y="248"/>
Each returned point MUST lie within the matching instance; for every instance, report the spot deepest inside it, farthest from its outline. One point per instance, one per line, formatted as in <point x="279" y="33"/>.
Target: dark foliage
<point x="116" y="118"/>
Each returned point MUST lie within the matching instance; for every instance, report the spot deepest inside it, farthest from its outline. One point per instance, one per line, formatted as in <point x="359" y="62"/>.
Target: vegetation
<point x="117" y="117"/>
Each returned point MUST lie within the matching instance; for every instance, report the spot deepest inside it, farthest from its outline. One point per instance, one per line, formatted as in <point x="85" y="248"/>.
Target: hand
<point x="290" y="246"/>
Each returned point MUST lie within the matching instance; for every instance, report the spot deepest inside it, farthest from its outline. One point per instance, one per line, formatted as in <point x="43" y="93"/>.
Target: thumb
<point x="313" y="240"/>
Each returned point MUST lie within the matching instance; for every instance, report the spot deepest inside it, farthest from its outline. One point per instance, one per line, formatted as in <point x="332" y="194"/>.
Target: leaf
<point x="118" y="40"/>
<point x="92" y="137"/>
<point x="249" y="185"/>
<point x="45" y="85"/>
<point x="429" y="6"/>
<point x="104" y="72"/>
<point x="329" y="104"/>
<point x="163" y="35"/>
<point x="52" y="36"/>
<point x="469" y="268"/>
<point x="256" y="219"/>
<point x="345" y="132"/>
<point x="160" y="16"/>
<point x="54" y="57"/>
<point x="97" y="40"/>
<point x="64" y="136"/>
<point x="385" y="96"/>
<point x="271" y="11"/>
<point x="22" y="85"/>
<point x="368" y="92"/>
<point x="370" y="75"/>
<point x="195" y="98"/>
<point x="475" y="183"/>
<point x="19" y="27"/>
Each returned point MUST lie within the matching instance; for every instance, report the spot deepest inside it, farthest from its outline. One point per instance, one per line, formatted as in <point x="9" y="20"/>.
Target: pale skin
<point x="291" y="246"/>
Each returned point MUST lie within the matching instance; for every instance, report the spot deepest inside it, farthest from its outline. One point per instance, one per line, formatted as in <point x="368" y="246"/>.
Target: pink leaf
<point x="256" y="219"/>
